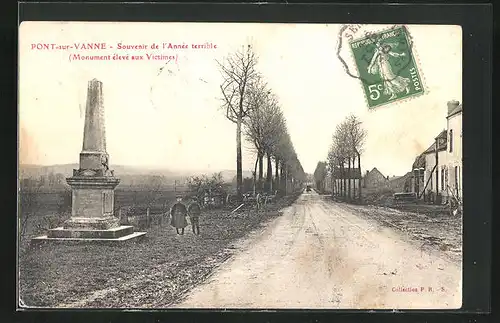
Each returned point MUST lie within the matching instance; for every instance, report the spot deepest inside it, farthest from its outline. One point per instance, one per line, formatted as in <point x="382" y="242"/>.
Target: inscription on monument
<point x="86" y="205"/>
<point x="107" y="202"/>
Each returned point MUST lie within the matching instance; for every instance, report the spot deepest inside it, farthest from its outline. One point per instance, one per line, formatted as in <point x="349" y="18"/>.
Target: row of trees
<point x="319" y="175"/>
<point x="344" y="159"/>
<point x="248" y="102"/>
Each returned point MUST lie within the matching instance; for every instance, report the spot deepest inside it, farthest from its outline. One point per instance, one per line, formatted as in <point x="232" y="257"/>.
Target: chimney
<point x="452" y="105"/>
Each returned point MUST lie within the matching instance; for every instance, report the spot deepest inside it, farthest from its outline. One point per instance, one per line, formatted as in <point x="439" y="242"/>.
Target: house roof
<point x="420" y="161"/>
<point x="456" y="110"/>
<point x="374" y="171"/>
<point x="442" y="144"/>
<point x="442" y="134"/>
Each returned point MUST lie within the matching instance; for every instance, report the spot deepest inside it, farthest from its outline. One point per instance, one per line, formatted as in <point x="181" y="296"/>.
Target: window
<point x="451" y="140"/>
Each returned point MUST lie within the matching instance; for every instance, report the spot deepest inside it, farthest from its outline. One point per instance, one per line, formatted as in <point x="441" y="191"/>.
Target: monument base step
<point x="98" y="223"/>
<point x="136" y="236"/>
<point x="112" y="233"/>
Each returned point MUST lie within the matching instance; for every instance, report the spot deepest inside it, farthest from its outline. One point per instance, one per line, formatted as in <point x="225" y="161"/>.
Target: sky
<point x="163" y="114"/>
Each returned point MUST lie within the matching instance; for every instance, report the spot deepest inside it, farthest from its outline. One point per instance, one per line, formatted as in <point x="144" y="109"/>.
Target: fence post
<point x="148" y="219"/>
<point x="123" y="219"/>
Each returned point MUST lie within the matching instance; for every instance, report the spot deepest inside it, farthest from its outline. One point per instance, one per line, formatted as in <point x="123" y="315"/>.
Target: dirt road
<point x="320" y="255"/>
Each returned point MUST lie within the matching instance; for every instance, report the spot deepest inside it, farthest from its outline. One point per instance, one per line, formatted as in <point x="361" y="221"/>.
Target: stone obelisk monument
<point x="93" y="184"/>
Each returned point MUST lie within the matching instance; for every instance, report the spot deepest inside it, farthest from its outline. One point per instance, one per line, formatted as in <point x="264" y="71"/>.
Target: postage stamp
<point x="386" y="66"/>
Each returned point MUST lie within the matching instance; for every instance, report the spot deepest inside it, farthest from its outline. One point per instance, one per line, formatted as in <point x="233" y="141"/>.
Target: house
<point x="435" y="158"/>
<point x="400" y="183"/>
<point x="417" y="181"/>
<point x="437" y="172"/>
<point x="454" y="158"/>
<point x="374" y="179"/>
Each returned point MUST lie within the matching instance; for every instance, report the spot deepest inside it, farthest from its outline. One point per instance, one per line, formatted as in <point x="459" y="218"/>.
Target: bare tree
<point x="239" y="73"/>
<point x="319" y="176"/>
<point x="356" y="136"/>
<point x="283" y="154"/>
<point x="264" y="128"/>
<point x="274" y="128"/>
<point x="254" y="126"/>
<point x="297" y="173"/>
<point x="346" y="148"/>
<point x="339" y="151"/>
<point x="332" y="166"/>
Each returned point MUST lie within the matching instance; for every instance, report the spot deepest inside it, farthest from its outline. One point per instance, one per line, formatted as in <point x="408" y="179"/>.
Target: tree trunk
<point x="269" y="178"/>
<point x="349" y="178"/>
<point x="359" y="166"/>
<point x="344" y="195"/>
<point x="340" y="181"/>
<point x="255" y="175"/>
<point x="239" y="168"/>
<point x="286" y="179"/>
<point x="354" y="178"/>
<point x="277" y="180"/>
<point x="282" y="177"/>
<point x="332" y="184"/>
<point x="261" y="170"/>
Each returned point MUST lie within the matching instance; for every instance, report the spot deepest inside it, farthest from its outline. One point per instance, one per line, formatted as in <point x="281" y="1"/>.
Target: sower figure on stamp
<point x="194" y="211"/>
<point x="381" y="65"/>
<point x="178" y="213"/>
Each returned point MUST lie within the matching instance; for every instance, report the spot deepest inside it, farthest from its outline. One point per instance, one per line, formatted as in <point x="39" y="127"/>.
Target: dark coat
<point x="194" y="210"/>
<point x="178" y="214"/>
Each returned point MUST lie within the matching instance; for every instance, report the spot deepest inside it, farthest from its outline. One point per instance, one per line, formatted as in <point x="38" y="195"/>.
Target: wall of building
<point x="454" y="157"/>
<point x="374" y="179"/>
<point x="430" y="161"/>
<point x="401" y="184"/>
<point x="417" y="181"/>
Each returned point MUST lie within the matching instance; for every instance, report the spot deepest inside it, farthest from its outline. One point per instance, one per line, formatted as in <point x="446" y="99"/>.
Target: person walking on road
<point x="178" y="213"/>
<point x="194" y="211"/>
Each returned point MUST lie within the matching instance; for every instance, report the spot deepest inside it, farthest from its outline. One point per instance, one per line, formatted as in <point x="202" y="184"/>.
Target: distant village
<point x="435" y="176"/>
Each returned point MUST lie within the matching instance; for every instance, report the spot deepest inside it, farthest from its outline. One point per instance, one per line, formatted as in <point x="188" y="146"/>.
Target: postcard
<point x="239" y="166"/>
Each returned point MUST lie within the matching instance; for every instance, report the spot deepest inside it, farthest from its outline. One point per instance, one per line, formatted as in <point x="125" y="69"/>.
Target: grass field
<point x="154" y="272"/>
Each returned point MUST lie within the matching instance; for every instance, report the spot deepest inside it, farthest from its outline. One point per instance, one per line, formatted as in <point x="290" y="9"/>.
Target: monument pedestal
<point x="92" y="214"/>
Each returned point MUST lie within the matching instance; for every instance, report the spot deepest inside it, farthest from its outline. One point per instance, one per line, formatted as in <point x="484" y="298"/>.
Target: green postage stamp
<point x="387" y="67"/>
